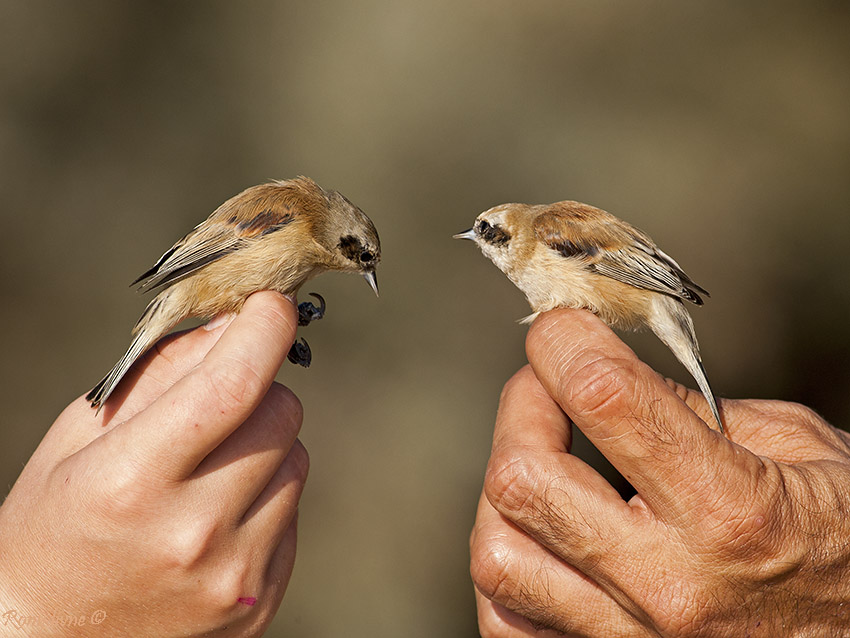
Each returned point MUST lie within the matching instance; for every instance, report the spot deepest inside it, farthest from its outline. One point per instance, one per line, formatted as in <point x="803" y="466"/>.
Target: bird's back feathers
<point x="611" y="247"/>
<point x="250" y="215"/>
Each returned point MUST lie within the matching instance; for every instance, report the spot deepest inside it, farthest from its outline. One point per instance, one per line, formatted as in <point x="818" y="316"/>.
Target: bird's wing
<point x="611" y="247"/>
<point x="231" y="227"/>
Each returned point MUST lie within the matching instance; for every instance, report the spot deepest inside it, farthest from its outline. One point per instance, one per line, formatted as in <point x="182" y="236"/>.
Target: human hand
<point x="746" y="536"/>
<point x="172" y="512"/>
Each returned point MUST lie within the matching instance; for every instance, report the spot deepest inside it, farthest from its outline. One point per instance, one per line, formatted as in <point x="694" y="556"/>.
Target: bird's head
<point x="353" y="239"/>
<point x="496" y="231"/>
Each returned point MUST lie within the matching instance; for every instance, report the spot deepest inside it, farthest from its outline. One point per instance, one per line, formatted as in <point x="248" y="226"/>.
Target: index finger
<point x="623" y="406"/>
<point x="198" y="412"/>
<point x="533" y="481"/>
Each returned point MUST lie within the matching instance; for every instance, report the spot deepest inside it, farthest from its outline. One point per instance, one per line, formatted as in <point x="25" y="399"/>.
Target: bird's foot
<point x="300" y="353"/>
<point x="307" y="312"/>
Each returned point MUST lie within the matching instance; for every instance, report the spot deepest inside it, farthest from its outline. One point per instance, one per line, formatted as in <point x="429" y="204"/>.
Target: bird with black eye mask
<point x="572" y="255"/>
<point x="273" y="236"/>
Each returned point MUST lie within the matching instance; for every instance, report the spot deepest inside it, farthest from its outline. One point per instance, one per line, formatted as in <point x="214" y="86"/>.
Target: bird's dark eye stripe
<point x="493" y="233"/>
<point x="350" y="247"/>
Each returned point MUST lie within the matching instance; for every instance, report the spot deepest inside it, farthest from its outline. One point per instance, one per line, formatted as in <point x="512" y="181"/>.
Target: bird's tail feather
<point x="100" y="393"/>
<point x="143" y="338"/>
<point x="702" y="381"/>
<point x="674" y="326"/>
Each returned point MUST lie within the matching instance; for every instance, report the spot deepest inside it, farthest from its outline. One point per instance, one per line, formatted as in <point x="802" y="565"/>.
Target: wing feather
<point x="613" y="248"/>
<point x="194" y="251"/>
<point x="238" y="222"/>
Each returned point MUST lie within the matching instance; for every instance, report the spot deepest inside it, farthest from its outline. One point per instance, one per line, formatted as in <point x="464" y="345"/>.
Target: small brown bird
<point x="273" y="236"/>
<point x="569" y="254"/>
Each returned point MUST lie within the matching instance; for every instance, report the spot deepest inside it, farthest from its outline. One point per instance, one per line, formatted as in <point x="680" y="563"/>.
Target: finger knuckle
<point x="515" y="383"/>
<point x="287" y="405"/>
<point x="801" y="413"/>
<point x="746" y="536"/>
<point x="686" y="615"/>
<point x="601" y="384"/>
<point x="490" y="566"/>
<point x="233" y="384"/>
<point x="490" y="627"/>
<point x="186" y="547"/>
<point x="743" y="526"/>
<point x="510" y="480"/>
<point x="301" y="460"/>
<point x="497" y="573"/>
<point x="787" y="419"/>
<point x="231" y="582"/>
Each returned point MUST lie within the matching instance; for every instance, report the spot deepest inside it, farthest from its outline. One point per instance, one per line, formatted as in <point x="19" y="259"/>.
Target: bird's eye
<point x="366" y="256"/>
<point x="493" y="234"/>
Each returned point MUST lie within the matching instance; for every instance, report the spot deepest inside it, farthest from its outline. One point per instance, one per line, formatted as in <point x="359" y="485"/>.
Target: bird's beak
<point x="467" y="234"/>
<point x="372" y="278"/>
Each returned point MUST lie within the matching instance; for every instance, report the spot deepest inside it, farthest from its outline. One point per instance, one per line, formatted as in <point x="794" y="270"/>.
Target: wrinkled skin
<point x="745" y="536"/>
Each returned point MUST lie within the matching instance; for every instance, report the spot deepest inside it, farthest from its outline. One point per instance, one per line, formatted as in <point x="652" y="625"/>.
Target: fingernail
<point x="219" y="321"/>
<point x="293" y="299"/>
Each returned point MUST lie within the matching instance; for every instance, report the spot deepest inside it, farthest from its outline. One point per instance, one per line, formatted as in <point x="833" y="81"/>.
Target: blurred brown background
<point x="720" y="128"/>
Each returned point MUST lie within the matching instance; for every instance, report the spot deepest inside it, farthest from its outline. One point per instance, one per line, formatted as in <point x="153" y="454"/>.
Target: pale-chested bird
<point x="273" y="236"/>
<point x="569" y="254"/>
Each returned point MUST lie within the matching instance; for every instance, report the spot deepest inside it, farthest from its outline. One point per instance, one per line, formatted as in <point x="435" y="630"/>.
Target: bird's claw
<point x="307" y="312"/>
<point x="300" y="353"/>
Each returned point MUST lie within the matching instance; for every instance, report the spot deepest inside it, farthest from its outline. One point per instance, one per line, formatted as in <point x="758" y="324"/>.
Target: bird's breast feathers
<point x="551" y="280"/>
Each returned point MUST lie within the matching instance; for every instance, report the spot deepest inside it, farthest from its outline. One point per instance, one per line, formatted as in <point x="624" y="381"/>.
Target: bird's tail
<point x="145" y="335"/>
<point x="673" y="325"/>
